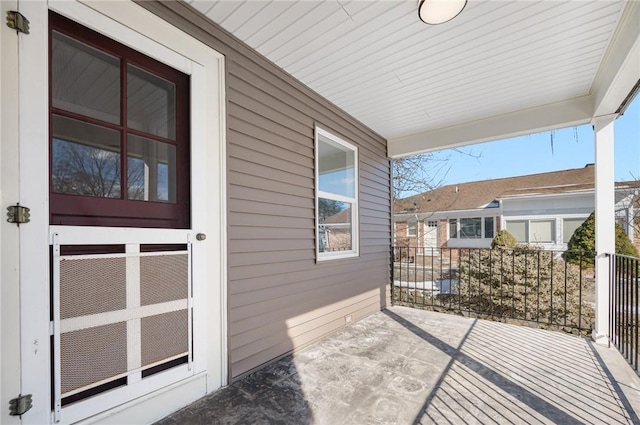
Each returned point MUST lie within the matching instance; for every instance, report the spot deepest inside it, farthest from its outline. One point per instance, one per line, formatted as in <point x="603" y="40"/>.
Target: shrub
<point x="504" y="239"/>
<point x="583" y="243"/>
<point x="525" y="283"/>
<point x="623" y="244"/>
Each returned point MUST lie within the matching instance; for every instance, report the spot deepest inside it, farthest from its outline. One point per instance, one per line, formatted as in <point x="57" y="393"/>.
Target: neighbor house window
<point x="518" y="229"/>
<point x="470" y="228"/>
<point x="488" y="227"/>
<point x="542" y="231"/>
<point x="412" y="228"/>
<point x="569" y="226"/>
<point x="336" y="196"/>
<point x="453" y="228"/>
<point x="533" y="231"/>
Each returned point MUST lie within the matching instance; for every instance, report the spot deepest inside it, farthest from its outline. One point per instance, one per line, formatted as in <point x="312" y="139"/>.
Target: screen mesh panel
<point x="164" y="336"/>
<point x="92" y="355"/>
<point x="92" y="285"/>
<point x="163" y="278"/>
<point x="119" y="314"/>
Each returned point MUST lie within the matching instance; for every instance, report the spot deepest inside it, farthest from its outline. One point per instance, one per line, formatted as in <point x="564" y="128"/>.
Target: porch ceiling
<point x="500" y="69"/>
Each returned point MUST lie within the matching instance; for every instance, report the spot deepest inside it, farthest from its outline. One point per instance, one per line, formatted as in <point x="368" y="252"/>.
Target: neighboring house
<point x="543" y="209"/>
<point x="334" y="232"/>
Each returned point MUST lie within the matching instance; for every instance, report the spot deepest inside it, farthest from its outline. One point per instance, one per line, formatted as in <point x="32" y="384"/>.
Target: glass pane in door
<point x="151" y="170"/>
<point x="85" y="159"/>
<point x="150" y="103"/>
<point x="87" y="81"/>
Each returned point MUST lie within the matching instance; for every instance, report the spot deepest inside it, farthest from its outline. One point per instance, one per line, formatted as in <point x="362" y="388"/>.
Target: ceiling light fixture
<point x="434" y="12"/>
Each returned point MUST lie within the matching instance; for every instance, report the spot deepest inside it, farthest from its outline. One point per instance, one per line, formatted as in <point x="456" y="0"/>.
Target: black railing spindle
<point x="528" y="283"/>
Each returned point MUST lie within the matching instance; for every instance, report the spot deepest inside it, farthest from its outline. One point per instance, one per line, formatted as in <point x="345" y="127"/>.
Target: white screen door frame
<point x="133" y="26"/>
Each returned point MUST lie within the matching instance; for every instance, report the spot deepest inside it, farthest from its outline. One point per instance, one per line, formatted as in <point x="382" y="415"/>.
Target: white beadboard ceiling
<point x="377" y="61"/>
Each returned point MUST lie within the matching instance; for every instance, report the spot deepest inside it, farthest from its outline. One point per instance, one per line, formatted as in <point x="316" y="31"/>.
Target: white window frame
<point x="484" y="227"/>
<point x="355" y="233"/>
<point x="415" y="228"/>
<point x="460" y="227"/>
<point x="528" y="232"/>
<point x="554" y="236"/>
<point x="453" y="235"/>
<point x="564" y="219"/>
<point x="526" y="228"/>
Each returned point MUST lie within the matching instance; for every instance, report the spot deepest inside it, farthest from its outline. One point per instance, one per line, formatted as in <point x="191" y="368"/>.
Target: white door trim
<point x="134" y="26"/>
<point x="9" y="233"/>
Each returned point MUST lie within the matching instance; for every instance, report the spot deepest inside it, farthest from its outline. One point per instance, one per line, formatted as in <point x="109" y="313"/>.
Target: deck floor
<point x="409" y="366"/>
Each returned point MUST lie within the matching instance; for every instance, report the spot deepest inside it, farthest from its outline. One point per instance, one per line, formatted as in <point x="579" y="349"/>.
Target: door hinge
<point x="18" y="214"/>
<point x="17" y="21"/>
<point x="20" y="405"/>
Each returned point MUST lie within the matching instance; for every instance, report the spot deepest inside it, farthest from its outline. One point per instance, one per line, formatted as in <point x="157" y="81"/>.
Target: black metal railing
<point x="550" y="289"/>
<point x="624" y="321"/>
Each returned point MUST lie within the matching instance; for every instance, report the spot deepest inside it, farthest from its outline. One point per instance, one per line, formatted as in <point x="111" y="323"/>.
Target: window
<point x="119" y="134"/>
<point x="453" y="228"/>
<point x="336" y="196"/>
<point x="412" y="228"/>
<point x="569" y="226"/>
<point x="488" y="227"/>
<point x="533" y="231"/>
<point x="542" y="231"/>
<point x="470" y="228"/>
<point x="518" y="228"/>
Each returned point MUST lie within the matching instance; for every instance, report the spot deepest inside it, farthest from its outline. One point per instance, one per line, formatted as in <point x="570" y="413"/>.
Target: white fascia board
<point x="400" y="218"/>
<point x="485" y="212"/>
<point x="553" y="116"/>
<point x="573" y="194"/>
<point x="439" y="215"/>
<point x="620" y="67"/>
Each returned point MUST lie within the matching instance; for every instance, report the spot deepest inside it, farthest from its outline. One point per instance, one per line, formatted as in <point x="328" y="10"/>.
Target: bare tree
<point x="84" y="170"/>
<point x="417" y="174"/>
<point x="421" y="172"/>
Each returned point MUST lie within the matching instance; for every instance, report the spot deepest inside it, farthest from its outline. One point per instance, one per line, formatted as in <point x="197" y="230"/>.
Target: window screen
<point x="518" y="228"/>
<point x="569" y="226"/>
<point x="453" y="228"/>
<point x="488" y="227"/>
<point x="470" y="228"/>
<point x="542" y="231"/>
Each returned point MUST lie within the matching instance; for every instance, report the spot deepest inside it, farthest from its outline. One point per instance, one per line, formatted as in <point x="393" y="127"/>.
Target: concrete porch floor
<point x="408" y="366"/>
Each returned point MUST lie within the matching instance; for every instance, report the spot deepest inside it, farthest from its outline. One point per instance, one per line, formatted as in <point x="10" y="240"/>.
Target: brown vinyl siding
<point x="279" y="298"/>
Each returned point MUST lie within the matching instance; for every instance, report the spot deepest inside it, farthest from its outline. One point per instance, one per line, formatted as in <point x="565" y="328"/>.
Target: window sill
<point x="328" y="256"/>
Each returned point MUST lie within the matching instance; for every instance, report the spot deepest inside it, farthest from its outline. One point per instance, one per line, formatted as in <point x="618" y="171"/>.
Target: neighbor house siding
<point x="279" y="298"/>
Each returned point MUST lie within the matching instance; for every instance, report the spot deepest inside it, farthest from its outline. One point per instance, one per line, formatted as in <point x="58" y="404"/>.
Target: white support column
<point x="605" y="221"/>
